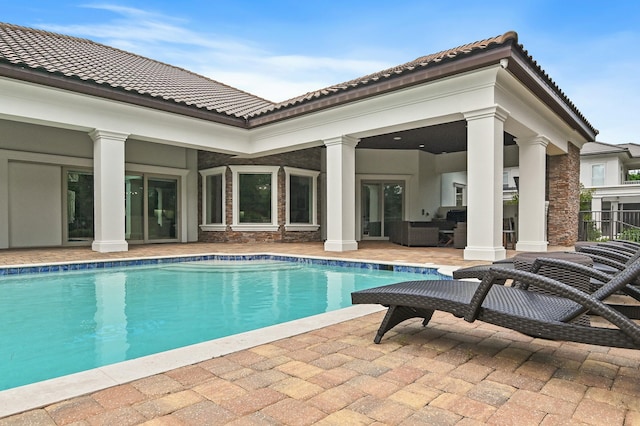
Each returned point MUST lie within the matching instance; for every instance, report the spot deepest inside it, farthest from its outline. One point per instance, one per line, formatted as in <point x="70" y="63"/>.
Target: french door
<point x="382" y="204"/>
<point x="151" y="208"/>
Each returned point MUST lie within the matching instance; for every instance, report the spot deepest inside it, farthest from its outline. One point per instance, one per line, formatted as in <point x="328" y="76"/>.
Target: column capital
<point x="536" y="140"/>
<point x="495" y="111"/>
<point x="342" y="140"/>
<point x="96" y="134"/>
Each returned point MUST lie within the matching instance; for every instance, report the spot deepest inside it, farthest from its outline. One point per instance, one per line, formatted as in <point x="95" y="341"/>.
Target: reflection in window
<point x="597" y="175"/>
<point x="254" y="197"/>
<point x="300" y="199"/>
<point x="162" y="202"/>
<point x="79" y="206"/>
<point x="213" y="199"/>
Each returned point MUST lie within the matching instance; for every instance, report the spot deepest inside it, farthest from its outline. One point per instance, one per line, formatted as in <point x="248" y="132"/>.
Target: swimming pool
<point x="90" y="315"/>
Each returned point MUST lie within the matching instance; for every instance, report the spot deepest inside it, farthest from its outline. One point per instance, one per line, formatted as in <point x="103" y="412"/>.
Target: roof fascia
<point x="80" y="86"/>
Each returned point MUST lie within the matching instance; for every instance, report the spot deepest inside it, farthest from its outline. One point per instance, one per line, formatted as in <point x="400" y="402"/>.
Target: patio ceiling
<point x="438" y="139"/>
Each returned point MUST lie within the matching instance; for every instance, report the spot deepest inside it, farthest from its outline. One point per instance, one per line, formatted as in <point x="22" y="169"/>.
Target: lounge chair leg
<point x="397" y="314"/>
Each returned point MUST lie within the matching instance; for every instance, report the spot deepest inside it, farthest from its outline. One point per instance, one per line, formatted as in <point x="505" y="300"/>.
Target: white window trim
<point x="236" y="225"/>
<point x="313" y="226"/>
<point x="205" y="173"/>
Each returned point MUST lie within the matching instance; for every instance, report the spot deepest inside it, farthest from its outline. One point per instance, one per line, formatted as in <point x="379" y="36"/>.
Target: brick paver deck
<point x="450" y="372"/>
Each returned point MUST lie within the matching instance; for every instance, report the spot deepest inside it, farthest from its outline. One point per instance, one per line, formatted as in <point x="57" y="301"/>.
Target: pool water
<point x="54" y="324"/>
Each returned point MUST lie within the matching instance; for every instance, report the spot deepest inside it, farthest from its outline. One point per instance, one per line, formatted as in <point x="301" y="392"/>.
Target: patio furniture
<point x="460" y="235"/>
<point x="552" y="316"/>
<point x="413" y="234"/>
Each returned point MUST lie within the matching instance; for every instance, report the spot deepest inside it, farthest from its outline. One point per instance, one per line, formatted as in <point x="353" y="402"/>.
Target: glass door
<point x="162" y="208"/>
<point x="134" y="207"/>
<point x="382" y="204"/>
<point x="79" y="206"/>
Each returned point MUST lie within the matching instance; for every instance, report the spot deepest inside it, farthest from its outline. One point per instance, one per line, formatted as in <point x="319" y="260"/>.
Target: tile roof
<point x="104" y="65"/>
<point x="421" y="62"/>
<point x="599" y="148"/>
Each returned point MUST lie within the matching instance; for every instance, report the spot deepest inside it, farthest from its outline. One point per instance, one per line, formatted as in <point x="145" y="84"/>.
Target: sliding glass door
<point x="157" y="196"/>
<point x="162" y="206"/>
<point x="382" y="204"/>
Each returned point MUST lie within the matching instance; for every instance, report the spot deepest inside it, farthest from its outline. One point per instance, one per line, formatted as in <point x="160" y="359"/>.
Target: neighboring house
<point x="103" y="147"/>
<point x="608" y="171"/>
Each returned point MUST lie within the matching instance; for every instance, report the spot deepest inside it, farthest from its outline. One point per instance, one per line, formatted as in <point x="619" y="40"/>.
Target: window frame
<point x="313" y="174"/>
<point x="237" y="171"/>
<point x="223" y="199"/>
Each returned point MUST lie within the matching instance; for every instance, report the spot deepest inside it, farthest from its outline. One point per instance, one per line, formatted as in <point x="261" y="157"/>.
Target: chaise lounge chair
<point x="561" y="316"/>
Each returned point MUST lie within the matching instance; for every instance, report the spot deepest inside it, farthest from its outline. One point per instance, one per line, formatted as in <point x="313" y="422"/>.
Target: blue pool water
<point x="57" y="323"/>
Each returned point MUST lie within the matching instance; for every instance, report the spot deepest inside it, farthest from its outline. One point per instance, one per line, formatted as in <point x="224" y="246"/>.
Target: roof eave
<point x="77" y="85"/>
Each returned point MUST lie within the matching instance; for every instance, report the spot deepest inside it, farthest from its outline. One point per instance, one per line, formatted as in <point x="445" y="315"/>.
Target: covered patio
<point x="172" y="153"/>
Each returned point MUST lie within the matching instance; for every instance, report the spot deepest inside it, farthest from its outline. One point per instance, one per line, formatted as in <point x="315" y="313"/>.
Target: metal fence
<point x="609" y="225"/>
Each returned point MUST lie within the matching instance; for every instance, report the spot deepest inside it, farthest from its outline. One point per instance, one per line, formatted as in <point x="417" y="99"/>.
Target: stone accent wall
<point x="309" y="159"/>
<point x="563" y="181"/>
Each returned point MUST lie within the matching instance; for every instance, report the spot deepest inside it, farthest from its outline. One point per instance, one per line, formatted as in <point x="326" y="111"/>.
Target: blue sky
<point x="281" y="49"/>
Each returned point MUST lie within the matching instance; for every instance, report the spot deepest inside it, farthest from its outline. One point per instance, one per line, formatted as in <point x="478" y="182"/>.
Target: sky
<point x="282" y="49"/>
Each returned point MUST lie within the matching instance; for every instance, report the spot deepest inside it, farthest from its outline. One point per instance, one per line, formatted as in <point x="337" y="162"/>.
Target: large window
<point x="255" y="198"/>
<point x="213" y="199"/>
<point x="597" y="175"/>
<point x="302" y="199"/>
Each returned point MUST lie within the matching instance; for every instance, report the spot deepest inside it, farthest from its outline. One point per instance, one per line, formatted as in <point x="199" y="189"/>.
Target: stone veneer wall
<point x="563" y="181"/>
<point x="309" y="159"/>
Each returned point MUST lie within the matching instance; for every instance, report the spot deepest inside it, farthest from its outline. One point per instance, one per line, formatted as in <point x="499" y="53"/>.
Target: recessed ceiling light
<point x="397" y="138"/>
<point x="421" y="145"/>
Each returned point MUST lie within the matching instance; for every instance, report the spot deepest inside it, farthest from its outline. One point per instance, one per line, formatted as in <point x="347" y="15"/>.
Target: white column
<point x="532" y="217"/>
<point x="485" y="154"/>
<point x="596" y="215"/>
<point x="108" y="182"/>
<point x="341" y="194"/>
<point x="4" y="202"/>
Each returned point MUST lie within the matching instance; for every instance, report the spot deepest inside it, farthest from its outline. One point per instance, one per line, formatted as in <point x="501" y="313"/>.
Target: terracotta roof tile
<point x="104" y="65"/>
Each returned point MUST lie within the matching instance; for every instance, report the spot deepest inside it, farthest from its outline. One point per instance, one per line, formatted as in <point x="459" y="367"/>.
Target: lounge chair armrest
<point x="494" y="276"/>
<point x="570" y="266"/>
<point x="586" y="302"/>
<point x="605" y="261"/>
<point x="605" y="252"/>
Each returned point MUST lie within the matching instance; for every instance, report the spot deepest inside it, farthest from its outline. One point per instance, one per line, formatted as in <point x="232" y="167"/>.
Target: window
<point x="460" y="194"/>
<point x="255" y="198"/>
<point x="597" y="175"/>
<point x="505" y="180"/>
<point x="302" y="199"/>
<point x="213" y="199"/>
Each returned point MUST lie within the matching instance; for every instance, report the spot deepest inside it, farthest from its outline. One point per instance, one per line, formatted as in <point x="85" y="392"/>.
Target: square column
<point x="532" y="214"/>
<point x="485" y="156"/>
<point x="4" y="202"/>
<point x="108" y="191"/>
<point x="341" y="194"/>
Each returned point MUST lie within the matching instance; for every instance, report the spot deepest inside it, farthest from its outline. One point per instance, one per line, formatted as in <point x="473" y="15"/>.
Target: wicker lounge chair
<point x="555" y="317"/>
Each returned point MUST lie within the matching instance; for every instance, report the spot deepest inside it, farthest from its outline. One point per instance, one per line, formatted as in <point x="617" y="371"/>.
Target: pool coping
<point x="43" y="393"/>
